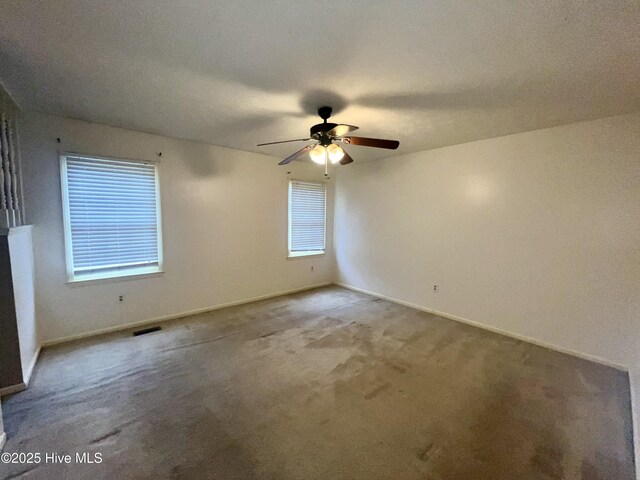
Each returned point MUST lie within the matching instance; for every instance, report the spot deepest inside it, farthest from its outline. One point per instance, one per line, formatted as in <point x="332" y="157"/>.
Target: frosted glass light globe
<point x="318" y="154"/>
<point x="335" y="153"/>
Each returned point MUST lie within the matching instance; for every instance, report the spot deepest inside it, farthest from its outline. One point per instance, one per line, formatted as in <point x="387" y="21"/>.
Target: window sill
<point x="305" y="254"/>
<point x="134" y="274"/>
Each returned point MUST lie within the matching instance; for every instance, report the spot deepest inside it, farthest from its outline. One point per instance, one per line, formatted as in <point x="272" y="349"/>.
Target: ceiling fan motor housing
<point x="319" y="131"/>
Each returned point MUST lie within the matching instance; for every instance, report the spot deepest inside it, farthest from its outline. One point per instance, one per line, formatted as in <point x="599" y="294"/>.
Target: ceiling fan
<point x="325" y="134"/>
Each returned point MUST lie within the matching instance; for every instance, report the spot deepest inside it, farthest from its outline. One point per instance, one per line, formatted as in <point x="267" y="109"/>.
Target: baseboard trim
<point x="32" y="366"/>
<point x="11" y="389"/>
<point x="19" y="387"/>
<point x="26" y="378"/>
<point x="174" y="316"/>
<point x="550" y="346"/>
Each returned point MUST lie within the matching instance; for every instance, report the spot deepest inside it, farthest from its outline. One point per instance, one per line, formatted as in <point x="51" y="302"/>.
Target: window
<point x="111" y="217"/>
<point x="306" y="218"/>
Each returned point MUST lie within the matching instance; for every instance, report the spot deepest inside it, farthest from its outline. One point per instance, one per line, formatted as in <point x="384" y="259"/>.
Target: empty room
<point x="320" y="240"/>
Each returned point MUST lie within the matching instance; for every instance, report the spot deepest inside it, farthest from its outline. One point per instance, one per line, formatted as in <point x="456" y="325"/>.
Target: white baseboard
<point x="32" y="365"/>
<point x="174" y="316"/>
<point x="550" y="346"/>
<point x="3" y="439"/>
<point x="18" y="387"/>
<point x="26" y="377"/>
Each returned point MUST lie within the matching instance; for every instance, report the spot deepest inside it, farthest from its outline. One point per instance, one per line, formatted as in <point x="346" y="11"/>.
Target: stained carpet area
<point x="324" y="384"/>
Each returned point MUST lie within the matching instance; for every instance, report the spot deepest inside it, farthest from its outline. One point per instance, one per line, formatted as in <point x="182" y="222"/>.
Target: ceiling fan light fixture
<point x="318" y="154"/>
<point x="323" y="150"/>
<point x="335" y="153"/>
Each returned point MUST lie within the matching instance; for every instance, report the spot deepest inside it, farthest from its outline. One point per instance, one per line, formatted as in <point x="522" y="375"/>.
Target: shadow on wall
<point x="202" y="160"/>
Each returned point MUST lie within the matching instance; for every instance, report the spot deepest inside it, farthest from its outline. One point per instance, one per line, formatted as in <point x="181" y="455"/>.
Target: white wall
<point x="21" y="251"/>
<point x="536" y="234"/>
<point x="224" y="215"/>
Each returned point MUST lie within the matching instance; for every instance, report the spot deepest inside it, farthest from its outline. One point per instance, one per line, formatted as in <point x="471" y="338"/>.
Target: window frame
<point x="306" y="253"/>
<point x="66" y="218"/>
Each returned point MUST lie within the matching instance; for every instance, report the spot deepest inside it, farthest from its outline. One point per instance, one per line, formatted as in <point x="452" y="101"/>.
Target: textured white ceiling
<point x="237" y="73"/>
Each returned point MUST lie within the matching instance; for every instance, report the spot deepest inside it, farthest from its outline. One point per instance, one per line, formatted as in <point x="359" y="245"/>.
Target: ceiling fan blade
<point x="291" y="158"/>
<point x="371" y="142"/>
<point x="341" y="129"/>
<point x="346" y="159"/>
<point x="284" y="141"/>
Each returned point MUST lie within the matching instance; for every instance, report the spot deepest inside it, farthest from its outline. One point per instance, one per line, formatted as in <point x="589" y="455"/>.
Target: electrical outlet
<point x="312" y="267"/>
<point x="436" y="287"/>
<point x="121" y="298"/>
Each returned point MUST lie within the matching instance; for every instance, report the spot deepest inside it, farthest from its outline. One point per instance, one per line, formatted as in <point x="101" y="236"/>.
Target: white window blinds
<point x="306" y="217"/>
<point x="111" y="217"/>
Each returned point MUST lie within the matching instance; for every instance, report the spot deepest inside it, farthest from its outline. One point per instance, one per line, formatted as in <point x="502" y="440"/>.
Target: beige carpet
<point x="326" y="384"/>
